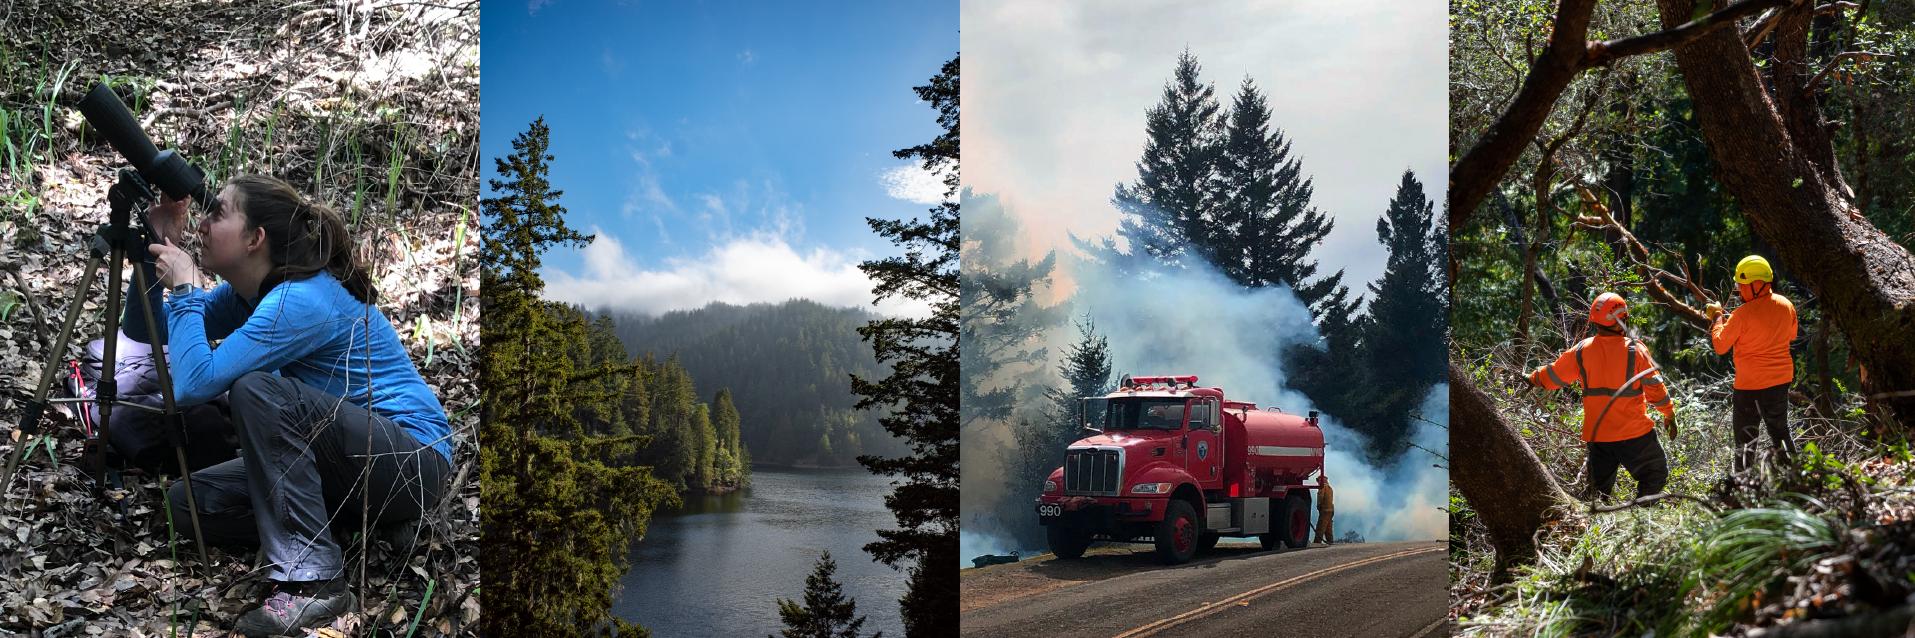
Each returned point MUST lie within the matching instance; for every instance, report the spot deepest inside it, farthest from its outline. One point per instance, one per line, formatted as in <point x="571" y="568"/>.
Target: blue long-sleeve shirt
<point x="311" y="330"/>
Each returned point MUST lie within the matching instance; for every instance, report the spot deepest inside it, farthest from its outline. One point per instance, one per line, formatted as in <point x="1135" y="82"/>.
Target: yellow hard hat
<point x="1753" y="268"/>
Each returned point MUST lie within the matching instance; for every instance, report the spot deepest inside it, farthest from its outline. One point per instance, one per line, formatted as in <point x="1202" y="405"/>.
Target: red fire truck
<point x="1182" y="466"/>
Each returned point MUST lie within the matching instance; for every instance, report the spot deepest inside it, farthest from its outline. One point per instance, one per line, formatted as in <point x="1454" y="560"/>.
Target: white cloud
<point x="532" y="6"/>
<point x="646" y="194"/>
<point x="747" y="57"/>
<point x="759" y="268"/>
<point x="715" y="215"/>
<point x="912" y="183"/>
<point x="613" y="65"/>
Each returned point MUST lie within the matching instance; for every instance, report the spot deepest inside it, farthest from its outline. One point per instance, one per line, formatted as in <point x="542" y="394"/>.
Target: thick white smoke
<point x="1405" y="499"/>
<point x="1195" y="321"/>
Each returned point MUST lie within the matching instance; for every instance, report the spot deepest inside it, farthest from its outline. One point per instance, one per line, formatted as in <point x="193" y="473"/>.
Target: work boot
<point x="291" y="607"/>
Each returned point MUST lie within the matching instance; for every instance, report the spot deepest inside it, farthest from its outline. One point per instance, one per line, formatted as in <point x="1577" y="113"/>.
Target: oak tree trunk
<point x="1773" y="153"/>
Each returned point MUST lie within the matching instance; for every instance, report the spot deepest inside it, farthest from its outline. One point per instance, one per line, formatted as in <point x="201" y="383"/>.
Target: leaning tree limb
<point x="1513" y="494"/>
<point x="1568" y="54"/>
<point x="1651" y="499"/>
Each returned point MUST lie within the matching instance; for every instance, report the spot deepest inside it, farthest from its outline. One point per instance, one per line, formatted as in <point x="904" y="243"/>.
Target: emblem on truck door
<point x="1203" y="449"/>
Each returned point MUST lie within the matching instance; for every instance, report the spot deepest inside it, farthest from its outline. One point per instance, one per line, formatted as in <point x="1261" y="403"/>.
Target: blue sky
<point x="722" y="151"/>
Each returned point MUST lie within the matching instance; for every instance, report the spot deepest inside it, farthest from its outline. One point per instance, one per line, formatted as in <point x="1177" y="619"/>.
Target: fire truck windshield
<point x="1145" y="414"/>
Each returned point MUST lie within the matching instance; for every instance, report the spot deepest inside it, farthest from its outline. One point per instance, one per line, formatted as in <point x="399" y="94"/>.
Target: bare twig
<point x="1863" y="56"/>
<point x="1653" y="498"/>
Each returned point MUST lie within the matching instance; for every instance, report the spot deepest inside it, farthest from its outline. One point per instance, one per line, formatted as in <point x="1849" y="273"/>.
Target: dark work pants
<point x="1642" y="456"/>
<point x="308" y="461"/>
<point x="1767" y="407"/>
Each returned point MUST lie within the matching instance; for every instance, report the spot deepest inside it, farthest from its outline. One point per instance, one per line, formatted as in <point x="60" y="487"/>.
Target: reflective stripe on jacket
<point x="1759" y="332"/>
<point x="1601" y="365"/>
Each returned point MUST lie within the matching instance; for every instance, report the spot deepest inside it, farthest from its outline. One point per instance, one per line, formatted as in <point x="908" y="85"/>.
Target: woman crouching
<point x="331" y="416"/>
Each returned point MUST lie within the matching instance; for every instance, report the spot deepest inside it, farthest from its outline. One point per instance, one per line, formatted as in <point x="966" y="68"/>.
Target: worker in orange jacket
<point x="1617" y="374"/>
<point x="1759" y="333"/>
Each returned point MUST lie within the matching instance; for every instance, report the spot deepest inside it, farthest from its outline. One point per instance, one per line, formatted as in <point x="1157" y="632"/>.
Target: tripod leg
<point x="107" y="390"/>
<point x="176" y="420"/>
<point x="30" y="419"/>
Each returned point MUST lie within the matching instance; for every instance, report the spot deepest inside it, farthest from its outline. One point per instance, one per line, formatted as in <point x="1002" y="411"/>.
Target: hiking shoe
<point x="295" y="606"/>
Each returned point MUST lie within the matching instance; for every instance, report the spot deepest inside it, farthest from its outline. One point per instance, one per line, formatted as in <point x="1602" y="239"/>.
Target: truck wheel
<point x="1290" y="527"/>
<point x="1065" y="540"/>
<point x="1177" y="535"/>
<point x="1298" y="522"/>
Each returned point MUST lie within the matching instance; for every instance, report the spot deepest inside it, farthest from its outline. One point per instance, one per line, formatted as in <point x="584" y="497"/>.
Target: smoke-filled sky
<point x="1054" y="96"/>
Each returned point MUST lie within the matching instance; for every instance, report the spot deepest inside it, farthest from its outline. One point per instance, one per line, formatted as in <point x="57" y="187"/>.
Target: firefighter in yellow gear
<point x="1758" y="333"/>
<point x="1326" y="509"/>
<point x="1617" y="375"/>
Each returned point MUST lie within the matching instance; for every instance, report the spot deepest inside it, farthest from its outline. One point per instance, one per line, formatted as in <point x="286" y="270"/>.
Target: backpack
<point x="139" y="436"/>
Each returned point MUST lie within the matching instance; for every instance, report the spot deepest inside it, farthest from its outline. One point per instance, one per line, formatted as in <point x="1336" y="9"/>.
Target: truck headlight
<point x="1050" y="486"/>
<point x="1150" y="488"/>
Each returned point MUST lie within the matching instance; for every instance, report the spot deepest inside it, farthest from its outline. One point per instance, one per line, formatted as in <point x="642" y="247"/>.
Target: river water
<point x="718" y="566"/>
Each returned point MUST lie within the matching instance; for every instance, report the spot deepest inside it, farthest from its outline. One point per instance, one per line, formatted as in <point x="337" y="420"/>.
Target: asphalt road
<point x="1369" y="589"/>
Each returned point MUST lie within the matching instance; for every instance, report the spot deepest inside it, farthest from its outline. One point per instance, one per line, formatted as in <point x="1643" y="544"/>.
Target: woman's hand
<point x="168" y="216"/>
<point x="174" y="265"/>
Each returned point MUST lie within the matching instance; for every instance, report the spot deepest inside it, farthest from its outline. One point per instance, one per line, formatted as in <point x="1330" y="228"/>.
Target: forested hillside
<point x="788" y="367"/>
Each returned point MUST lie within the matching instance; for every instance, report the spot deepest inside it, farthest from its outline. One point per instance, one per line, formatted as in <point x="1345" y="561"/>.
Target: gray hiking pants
<point x="312" y="462"/>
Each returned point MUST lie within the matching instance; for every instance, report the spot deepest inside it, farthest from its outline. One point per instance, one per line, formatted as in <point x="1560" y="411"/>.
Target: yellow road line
<point x="1213" y="608"/>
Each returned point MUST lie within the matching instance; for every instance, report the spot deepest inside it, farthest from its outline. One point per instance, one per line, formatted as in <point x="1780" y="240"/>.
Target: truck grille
<point x="1093" y="471"/>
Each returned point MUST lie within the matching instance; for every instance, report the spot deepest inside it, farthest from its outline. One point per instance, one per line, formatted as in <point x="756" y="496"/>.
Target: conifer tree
<point x="921" y="389"/>
<point x="703" y="444"/>
<point x="558" y="521"/>
<point x="1409" y="317"/>
<point x="1173" y="201"/>
<point x="826" y="612"/>
<point x="1266" y="226"/>
<point x="1002" y="319"/>
<point x="725" y="425"/>
<point x="725" y="420"/>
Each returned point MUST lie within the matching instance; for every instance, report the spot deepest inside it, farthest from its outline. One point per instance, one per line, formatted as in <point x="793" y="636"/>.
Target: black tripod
<point x="114" y="244"/>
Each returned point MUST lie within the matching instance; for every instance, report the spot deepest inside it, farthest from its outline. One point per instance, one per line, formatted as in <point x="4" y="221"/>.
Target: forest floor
<point x="1825" y="545"/>
<point x="370" y="106"/>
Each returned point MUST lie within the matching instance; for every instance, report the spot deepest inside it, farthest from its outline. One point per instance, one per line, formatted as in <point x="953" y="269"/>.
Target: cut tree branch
<point x="1639" y="257"/>
<point x="1835" y="7"/>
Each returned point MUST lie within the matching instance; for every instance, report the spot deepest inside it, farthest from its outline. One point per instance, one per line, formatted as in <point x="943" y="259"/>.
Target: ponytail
<point x="305" y="237"/>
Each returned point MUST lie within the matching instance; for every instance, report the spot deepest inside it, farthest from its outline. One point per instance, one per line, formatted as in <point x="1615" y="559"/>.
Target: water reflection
<point x="718" y="565"/>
